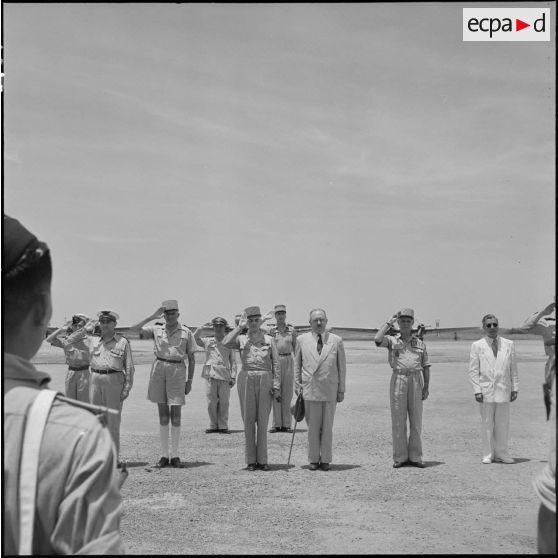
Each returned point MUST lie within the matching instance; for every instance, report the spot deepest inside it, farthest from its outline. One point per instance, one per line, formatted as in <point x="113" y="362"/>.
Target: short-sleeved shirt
<point x="171" y="345"/>
<point x="406" y="355"/>
<point x="219" y="360"/>
<point x="77" y="354"/>
<point x="285" y="341"/>
<point x="115" y="354"/>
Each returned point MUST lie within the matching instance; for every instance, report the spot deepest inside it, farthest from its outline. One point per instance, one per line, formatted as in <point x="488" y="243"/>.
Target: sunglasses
<point x="491" y="325"/>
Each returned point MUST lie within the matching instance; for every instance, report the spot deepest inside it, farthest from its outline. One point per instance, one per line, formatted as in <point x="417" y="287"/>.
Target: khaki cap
<point x="108" y="314"/>
<point x="170" y="304"/>
<point x="280" y="308"/>
<point x="407" y="312"/>
<point x="252" y="311"/>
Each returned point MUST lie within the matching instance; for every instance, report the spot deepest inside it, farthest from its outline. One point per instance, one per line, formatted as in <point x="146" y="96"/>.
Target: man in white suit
<point x="320" y="369"/>
<point x="494" y="377"/>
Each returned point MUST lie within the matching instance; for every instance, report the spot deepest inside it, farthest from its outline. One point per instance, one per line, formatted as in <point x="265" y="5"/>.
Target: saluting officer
<point x="285" y="339"/>
<point x="173" y="343"/>
<point x="112" y="368"/>
<point x="220" y="373"/>
<point x="76" y="500"/>
<point x="77" y="358"/>
<point x="408" y="387"/>
<point x="260" y="368"/>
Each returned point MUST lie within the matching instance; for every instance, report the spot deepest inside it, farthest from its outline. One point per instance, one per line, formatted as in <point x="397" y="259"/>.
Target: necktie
<point x="495" y="347"/>
<point x="320" y="343"/>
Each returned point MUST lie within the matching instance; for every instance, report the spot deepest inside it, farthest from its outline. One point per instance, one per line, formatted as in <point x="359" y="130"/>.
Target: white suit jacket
<point x="321" y="376"/>
<point x="494" y="377"/>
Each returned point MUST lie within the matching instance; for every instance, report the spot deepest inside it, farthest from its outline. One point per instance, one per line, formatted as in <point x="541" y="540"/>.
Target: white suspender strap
<point x="34" y="428"/>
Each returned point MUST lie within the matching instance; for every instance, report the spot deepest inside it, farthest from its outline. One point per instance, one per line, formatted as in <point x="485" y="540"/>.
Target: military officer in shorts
<point x="170" y="379"/>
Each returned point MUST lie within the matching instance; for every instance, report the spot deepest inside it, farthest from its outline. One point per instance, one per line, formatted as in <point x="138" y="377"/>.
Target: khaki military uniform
<point x="76" y="383"/>
<point x="260" y="372"/>
<point x="285" y="342"/>
<point x="407" y="360"/>
<point x="112" y="375"/>
<point x="168" y="373"/>
<point x="219" y="369"/>
<point x="78" y="503"/>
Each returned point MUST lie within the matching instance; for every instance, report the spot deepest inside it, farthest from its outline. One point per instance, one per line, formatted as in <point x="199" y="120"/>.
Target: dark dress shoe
<point x="263" y="466"/>
<point x="274" y="430"/>
<point x="251" y="467"/>
<point x="324" y="466"/>
<point x="398" y="464"/>
<point x="288" y="429"/>
<point x="175" y="462"/>
<point x="225" y="431"/>
<point x="211" y="430"/>
<point x="313" y="467"/>
<point x="163" y="462"/>
<point x="418" y="464"/>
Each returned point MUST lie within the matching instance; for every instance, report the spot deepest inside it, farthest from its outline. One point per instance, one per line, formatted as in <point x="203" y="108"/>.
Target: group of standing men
<point x="74" y="456"/>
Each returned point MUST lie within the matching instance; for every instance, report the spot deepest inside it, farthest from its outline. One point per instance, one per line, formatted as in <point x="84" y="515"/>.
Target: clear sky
<point x="355" y="157"/>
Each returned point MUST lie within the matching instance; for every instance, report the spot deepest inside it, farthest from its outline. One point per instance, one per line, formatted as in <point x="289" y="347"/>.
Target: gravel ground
<point x="212" y="505"/>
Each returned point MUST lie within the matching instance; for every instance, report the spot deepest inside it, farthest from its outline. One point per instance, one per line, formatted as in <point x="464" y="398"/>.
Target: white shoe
<point x="487" y="460"/>
<point x="504" y="460"/>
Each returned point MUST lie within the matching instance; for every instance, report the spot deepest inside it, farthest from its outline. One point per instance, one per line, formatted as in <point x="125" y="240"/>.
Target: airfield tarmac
<point x="362" y="505"/>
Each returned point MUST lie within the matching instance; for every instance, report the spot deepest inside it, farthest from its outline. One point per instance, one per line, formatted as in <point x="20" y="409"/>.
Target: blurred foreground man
<point x="60" y="489"/>
<point x="408" y="386"/>
<point x="494" y="377"/>
<point x="320" y="370"/>
<point x="173" y="343"/>
<point x="543" y="323"/>
<point x="77" y="358"/>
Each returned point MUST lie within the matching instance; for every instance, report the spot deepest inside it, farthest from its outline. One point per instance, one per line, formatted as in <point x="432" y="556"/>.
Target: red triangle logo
<point x="519" y="25"/>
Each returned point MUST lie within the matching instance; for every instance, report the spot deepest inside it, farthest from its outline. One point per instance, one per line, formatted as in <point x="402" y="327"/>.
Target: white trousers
<point x="218" y="396"/>
<point x="406" y="399"/>
<point x="319" y="418"/>
<point x="495" y="429"/>
<point x="282" y="409"/>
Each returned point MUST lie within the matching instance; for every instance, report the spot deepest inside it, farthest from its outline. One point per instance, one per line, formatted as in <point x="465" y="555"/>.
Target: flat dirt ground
<point x="362" y="505"/>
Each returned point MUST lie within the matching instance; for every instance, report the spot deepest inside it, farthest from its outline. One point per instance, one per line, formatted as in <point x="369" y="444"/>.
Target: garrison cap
<point x="252" y="311"/>
<point x="79" y="317"/>
<point x="280" y="308"/>
<point x="219" y="321"/>
<point x="20" y="247"/>
<point x="170" y="304"/>
<point x="108" y="314"/>
<point x="407" y="312"/>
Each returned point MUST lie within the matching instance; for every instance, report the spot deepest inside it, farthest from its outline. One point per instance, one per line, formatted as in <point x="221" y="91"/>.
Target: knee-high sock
<point x="175" y="437"/>
<point x="164" y="435"/>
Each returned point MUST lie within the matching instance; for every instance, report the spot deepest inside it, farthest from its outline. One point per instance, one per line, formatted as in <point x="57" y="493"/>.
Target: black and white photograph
<point x="278" y="278"/>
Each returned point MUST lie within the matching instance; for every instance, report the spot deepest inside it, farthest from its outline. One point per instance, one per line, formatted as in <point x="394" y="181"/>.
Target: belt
<point x="405" y="372"/>
<point x="167" y="360"/>
<point x="78" y="368"/>
<point x="284" y="354"/>
<point x="109" y="371"/>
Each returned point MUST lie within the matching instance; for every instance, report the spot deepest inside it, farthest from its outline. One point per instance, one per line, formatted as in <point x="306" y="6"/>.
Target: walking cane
<point x="298" y="413"/>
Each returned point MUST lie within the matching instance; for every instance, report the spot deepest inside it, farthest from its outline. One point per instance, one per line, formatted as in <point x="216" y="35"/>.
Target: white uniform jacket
<point x="321" y="376"/>
<point x="494" y="377"/>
